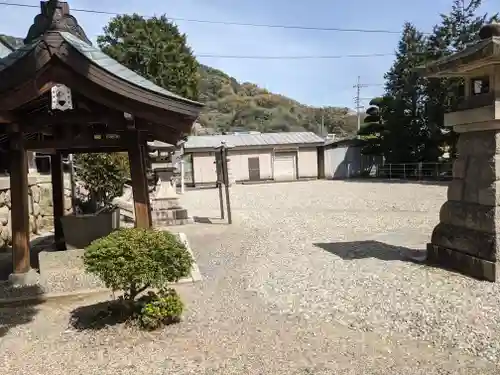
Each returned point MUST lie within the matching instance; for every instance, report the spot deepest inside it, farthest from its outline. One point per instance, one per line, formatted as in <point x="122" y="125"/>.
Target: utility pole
<point x="357" y="99"/>
<point x="222" y="161"/>
<point x="322" y="122"/>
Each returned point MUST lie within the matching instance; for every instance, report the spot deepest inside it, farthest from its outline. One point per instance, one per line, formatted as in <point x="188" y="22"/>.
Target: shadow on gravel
<point x="208" y="220"/>
<point x="13" y="314"/>
<point x="99" y="316"/>
<point x="398" y="181"/>
<point x="373" y="249"/>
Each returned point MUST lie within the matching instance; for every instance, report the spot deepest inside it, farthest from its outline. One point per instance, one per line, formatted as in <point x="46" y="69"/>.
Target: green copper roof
<point x="99" y="58"/>
<point x="12" y="56"/>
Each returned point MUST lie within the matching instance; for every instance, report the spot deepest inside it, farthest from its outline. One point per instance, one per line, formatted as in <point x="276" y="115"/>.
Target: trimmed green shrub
<point x="132" y="260"/>
<point x="157" y="310"/>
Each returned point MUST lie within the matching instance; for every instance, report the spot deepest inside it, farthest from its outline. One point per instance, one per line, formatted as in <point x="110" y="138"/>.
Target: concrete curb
<point x="195" y="272"/>
<point x="45" y="297"/>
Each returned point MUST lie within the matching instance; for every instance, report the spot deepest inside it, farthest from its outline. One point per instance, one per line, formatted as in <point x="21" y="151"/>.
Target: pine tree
<point x="404" y="138"/>
<point x="372" y="130"/>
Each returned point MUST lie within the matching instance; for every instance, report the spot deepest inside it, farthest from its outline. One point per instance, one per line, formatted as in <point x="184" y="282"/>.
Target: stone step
<point x="68" y="281"/>
<point x="62" y="273"/>
<point x="56" y="260"/>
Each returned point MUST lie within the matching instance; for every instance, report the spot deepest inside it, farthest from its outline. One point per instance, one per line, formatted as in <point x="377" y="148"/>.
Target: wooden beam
<point x="170" y="121"/>
<point x="28" y="91"/>
<point x="56" y="169"/>
<point x="104" y="150"/>
<point x="7" y="117"/>
<point x="19" y="200"/>
<point x="142" y="205"/>
<point x="73" y="117"/>
<point x="91" y="150"/>
<point x="76" y="144"/>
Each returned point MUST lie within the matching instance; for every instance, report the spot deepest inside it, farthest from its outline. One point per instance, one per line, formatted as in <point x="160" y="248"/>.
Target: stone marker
<point x="166" y="208"/>
<point x="467" y="236"/>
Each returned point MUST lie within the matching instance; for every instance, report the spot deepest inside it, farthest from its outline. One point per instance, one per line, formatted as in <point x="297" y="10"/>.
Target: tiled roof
<point x="99" y="58"/>
<point x="96" y="56"/>
<point x="248" y="140"/>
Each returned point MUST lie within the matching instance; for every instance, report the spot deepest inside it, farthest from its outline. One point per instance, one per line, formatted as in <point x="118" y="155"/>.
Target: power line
<point x="318" y="57"/>
<point x="248" y="57"/>
<point x="229" y="23"/>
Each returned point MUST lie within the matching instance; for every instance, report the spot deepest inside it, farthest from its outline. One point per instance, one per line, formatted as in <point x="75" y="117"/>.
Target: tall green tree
<point x="454" y="33"/>
<point x="155" y="49"/>
<point x="404" y="117"/>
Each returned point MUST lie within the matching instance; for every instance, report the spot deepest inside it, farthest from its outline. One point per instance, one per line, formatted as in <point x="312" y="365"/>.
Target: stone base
<point x="165" y="204"/>
<point x="29" y="278"/>
<point x="174" y="216"/>
<point x="62" y="274"/>
<point x="466" y="264"/>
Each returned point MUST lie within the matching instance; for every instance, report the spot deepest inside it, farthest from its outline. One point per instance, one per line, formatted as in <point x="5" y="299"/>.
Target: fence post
<point x="390" y="172"/>
<point x="437" y="171"/>
<point x="404" y="171"/>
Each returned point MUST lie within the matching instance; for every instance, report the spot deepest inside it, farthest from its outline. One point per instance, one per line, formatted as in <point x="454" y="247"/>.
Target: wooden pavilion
<point x="112" y="109"/>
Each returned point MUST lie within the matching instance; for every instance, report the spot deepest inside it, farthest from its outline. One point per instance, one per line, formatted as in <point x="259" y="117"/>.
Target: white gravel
<point x="308" y="280"/>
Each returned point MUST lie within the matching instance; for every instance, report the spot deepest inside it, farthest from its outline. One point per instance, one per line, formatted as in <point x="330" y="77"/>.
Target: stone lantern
<point x="467" y="238"/>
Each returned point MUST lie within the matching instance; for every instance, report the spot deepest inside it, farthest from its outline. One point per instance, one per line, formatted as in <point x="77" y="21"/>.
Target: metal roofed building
<point x="255" y="157"/>
<point x="343" y="159"/>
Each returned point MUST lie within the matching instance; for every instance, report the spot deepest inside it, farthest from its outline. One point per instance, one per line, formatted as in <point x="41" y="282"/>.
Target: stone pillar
<point x="467" y="237"/>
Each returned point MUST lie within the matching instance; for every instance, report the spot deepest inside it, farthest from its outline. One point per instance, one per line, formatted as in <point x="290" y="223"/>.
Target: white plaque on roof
<point x="61" y="98"/>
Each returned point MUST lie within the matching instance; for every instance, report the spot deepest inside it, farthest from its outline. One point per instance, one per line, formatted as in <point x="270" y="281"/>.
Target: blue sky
<point x="315" y="82"/>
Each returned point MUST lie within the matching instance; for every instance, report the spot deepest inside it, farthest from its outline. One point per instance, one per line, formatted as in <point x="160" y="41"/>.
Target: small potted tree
<point x="100" y="179"/>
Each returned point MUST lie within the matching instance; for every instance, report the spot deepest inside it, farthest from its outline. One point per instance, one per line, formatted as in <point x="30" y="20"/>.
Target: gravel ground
<point x="310" y="279"/>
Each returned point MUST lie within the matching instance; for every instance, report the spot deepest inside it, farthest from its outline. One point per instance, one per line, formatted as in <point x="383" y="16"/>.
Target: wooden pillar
<point x="19" y="201"/>
<point x="144" y="158"/>
<point x="137" y="159"/>
<point x="56" y="169"/>
<point x="321" y="162"/>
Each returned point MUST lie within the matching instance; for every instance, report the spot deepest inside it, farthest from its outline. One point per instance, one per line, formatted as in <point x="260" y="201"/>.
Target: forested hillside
<point x="233" y="105"/>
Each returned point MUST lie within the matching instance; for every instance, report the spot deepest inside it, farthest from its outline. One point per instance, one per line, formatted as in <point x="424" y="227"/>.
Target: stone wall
<point x="40" y="206"/>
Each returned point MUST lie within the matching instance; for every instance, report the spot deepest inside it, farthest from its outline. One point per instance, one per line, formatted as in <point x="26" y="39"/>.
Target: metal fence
<point x="414" y="171"/>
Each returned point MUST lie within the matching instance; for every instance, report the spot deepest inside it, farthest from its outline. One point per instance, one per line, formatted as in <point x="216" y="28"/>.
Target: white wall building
<point x="254" y="157"/>
<point x="343" y="159"/>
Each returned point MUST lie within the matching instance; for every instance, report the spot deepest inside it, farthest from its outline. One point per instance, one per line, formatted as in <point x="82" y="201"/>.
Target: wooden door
<point x="254" y="169"/>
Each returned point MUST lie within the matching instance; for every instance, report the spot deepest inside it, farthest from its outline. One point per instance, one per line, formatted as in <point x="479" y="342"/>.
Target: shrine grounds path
<point x="312" y="278"/>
